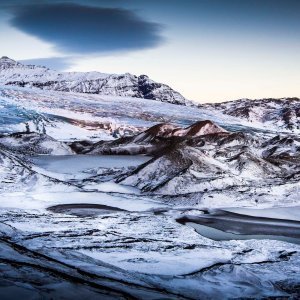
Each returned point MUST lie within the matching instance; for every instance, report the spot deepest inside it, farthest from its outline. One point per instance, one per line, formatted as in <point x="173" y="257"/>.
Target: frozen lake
<point x="280" y="224"/>
<point x="79" y="163"/>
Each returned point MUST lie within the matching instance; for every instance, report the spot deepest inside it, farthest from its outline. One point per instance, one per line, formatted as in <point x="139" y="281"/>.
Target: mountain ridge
<point x="281" y="112"/>
<point x="125" y="85"/>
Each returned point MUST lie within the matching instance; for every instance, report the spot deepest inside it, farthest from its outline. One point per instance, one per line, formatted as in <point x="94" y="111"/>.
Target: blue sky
<point x="209" y="50"/>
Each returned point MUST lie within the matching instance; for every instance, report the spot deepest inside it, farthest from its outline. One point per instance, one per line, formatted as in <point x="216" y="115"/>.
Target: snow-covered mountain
<point x="153" y="141"/>
<point x="220" y="165"/>
<point x="280" y="114"/>
<point x="126" y="85"/>
<point x="283" y="113"/>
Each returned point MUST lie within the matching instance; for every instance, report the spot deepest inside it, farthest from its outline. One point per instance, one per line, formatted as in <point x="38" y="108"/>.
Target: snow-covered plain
<point x="140" y="250"/>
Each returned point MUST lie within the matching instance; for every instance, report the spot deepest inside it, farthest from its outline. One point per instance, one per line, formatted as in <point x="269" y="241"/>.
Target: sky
<point x="208" y="50"/>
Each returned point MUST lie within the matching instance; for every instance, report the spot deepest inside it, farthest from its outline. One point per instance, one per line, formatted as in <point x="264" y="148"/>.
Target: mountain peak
<point x="123" y="85"/>
<point x="6" y="58"/>
<point x="6" y="63"/>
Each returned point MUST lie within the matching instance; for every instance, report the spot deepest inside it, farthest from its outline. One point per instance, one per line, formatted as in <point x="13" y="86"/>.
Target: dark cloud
<point x="55" y="63"/>
<point x="86" y="30"/>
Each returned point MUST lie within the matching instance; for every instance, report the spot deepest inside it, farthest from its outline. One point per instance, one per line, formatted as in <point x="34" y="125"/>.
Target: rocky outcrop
<point x="283" y="113"/>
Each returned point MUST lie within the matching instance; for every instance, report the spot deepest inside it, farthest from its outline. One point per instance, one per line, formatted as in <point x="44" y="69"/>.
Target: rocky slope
<point x="32" y="143"/>
<point x="125" y="85"/>
<point x="221" y="164"/>
<point x="283" y="113"/>
<point x="153" y="141"/>
<point x="16" y="175"/>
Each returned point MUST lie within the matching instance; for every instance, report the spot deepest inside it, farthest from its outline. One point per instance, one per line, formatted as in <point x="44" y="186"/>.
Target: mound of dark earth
<point x="153" y="141"/>
<point x="30" y="143"/>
